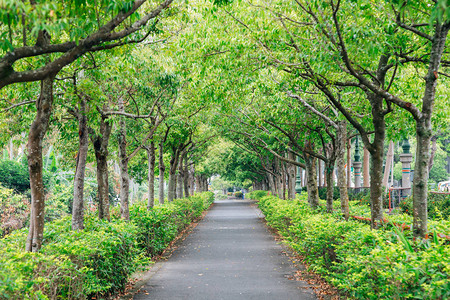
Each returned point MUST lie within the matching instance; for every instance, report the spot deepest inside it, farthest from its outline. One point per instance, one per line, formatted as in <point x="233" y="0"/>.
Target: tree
<point x="105" y="37"/>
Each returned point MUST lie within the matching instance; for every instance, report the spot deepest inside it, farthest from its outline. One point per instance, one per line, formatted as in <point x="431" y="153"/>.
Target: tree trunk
<point x="186" y="178"/>
<point x="424" y="131"/>
<point x="103" y="186"/>
<point x="319" y="165"/>
<point x="197" y="184"/>
<point x="123" y="166"/>
<point x="420" y="188"/>
<point x="340" y="159"/>
<point x="100" y="143"/>
<point x="300" y="171"/>
<point x="311" y="181"/>
<point x="10" y="149"/>
<point x="272" y="186"/>
<point x="162" y="169"/>
<point x="78" y="184"/>
<point x="349" y="163"/>
<point x="180" y="179"/>
<point x="151" y="175"/>
<point x="366" y="158"/>
<point x="205" y="184"/>
<point x="171" y="189"/>
<point x="36" y="136"/>
<point x="376" y="172"/>
<point x="291" y="177"/>
<point x="283" y="180"/>
<point x="192" y="180"/>
<point x="329" y="166"/>
<point x="171" y="193"/>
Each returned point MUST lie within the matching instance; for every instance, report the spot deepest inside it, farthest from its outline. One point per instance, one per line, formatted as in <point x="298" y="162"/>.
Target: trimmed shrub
<point x="363" y="263"/>
<point x="96" y="261"/>
<point x="256" y="195"/>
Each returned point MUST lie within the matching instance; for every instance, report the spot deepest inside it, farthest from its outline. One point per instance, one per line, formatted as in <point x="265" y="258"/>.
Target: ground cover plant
<point x="366" y="264"/>
<point x="97" y="260"/>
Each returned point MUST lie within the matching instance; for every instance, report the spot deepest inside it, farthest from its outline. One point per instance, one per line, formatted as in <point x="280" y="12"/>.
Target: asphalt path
<point x="229" y="255"/>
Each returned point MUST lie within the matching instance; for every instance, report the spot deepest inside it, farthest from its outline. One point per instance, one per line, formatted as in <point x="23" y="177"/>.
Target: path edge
<point x="140" y="278"/>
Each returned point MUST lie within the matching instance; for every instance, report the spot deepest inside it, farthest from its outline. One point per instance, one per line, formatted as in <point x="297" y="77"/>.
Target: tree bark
<point x="100" y="143"/>
<point x="36" y="136"/>
<point x="162" y="169"/>
<point x="376" y="168"/>
<point x="171" y="194"/>
<point x="420" y="188"/>
<point x="171" y="187"/>
<point x="186" y="178"/>
<point x="283" y="180"/>
<point x="291" y="177"/>
<point x="329" y="166"/>
<point x="78" y="184"/>
<point x="192" y="180"/>
<point x="180" y="179"/>
<point x="366" y="159"/>
<point x="311" y="181"/>
<point x="340" y="159"/>
<point x="349" y="163"/>
<point x="123" y="166"/>
<point x="319" y="166"/>
<point x="424" y="132"/>
<point x="151" y="175"/>
<point x="197" y="184"/>
<point x="272" y="186"/>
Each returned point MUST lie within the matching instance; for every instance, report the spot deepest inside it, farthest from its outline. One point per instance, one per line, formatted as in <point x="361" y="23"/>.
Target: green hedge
<point x="438" y="206"/>
<point x="96" y="261"/>
<point x="363" y="263"/>
<point x="256" y="195"/>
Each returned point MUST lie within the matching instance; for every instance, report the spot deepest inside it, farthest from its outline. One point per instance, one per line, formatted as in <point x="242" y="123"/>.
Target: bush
<point x="97" y="260"/>
<point x="363" y="263"/>
<point x="323" y="193"/>
<point x="14" y="211"/>
<point x="14" y="175"/>
<point x="438" y="206"/>
<point x="238" y="194"/>
<point x="256" y="195"/>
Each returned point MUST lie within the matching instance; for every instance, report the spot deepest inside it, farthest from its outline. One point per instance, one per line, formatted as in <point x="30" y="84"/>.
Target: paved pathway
<point x="229" y="255"/>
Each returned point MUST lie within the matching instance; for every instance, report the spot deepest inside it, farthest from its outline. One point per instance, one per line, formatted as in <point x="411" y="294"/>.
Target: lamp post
<point x="406" y="159"/>
<point x="357" y="164"/>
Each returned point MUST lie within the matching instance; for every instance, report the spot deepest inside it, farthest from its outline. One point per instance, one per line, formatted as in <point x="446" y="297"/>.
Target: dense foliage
<point x="438" y="206"/>
<point x="363" y="263"/>
<point x="14" y="210"/>
<point x="97" y="260"/>
<point x="14" y="175"/>
<point x="258" y="92"/>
